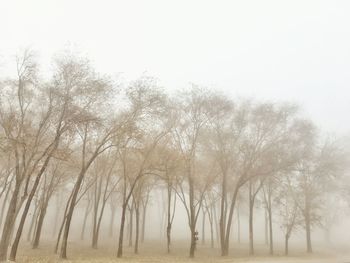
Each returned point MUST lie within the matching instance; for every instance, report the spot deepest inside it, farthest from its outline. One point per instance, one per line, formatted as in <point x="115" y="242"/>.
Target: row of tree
<point x="89" y="142"/>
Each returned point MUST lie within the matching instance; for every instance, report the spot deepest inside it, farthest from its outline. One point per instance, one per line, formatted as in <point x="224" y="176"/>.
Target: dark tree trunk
<point x="193" y="241"/>
<point x="86" y="214"/>
<point x="9" y="223"/>
<point x="63" y="252"/>
<point x="223" y="213"/>
<point x="41" y="218"/>
<point x="63" y="223"/>
<point x="4" y="205"/>
<point x="238" y="226"/>
<point x="144" y="210"/>
<point x="225" y="247"/>
<point x="251" y="211"/>
<point x="203" y="228"/>
<point x="137" y="230"/>
<point x="210" y="217"/>
<point x="286" y="239"/>
<point x="270" y="228"/>
<point x="121" y="232"/>
<point x="32" y="224"/>
<point x="308" y="234"/>
<point x="96" y="231"/>
<point x="131" y="225"/>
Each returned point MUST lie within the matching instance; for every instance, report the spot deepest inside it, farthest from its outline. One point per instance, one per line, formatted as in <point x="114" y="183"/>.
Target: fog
<point x="171" y="130"/>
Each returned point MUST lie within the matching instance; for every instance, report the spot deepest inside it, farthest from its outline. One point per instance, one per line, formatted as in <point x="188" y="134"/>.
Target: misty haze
<point x="174" y="131"/>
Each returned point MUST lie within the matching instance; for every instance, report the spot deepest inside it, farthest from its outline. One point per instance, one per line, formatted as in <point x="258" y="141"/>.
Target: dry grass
<point x="155" y="252"/>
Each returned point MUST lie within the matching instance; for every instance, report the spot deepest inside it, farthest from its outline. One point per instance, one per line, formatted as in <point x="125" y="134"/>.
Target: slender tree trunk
<point x="9" y="223"/>
<point x="308" y="234"/>
<point x="95" y="234"/>
<point x="169" y="215"/>
<point x="86" y="214"/>
<point x="225" y="247"/>
<point x="144" y="210"/>
<point x="4" y="205"/>
<point x="223" y="214"/>
<point x="210" y="217"/>
<point x="121" y="231"/>
<point x="63" y="253"/>
<point x="270" y="228"/>
<point x="137" y="213"/>
<point x="266" y="228"/>
<point x="37" y="235"/>
<point x="217" y="227"/>
<point x="203" y="228"/>
<point x="286" y="239"/>
<point x="63" y="223"/>
<point x="192" y="215"/>
<point x="131" y="218"/>
<point x="251" y="211"/>
<point x="32" y="224"/>
<point x="26" y="208"/>
<point x="238" y="226"/>
<point x="193" y="241"/>
<point x="98" y="225"/>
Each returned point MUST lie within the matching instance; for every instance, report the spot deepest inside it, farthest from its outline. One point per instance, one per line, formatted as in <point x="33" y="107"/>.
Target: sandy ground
<point x="155" y="252"/>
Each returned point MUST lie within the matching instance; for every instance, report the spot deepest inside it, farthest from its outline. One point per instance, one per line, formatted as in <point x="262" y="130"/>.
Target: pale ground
<point x="155" y="252"/>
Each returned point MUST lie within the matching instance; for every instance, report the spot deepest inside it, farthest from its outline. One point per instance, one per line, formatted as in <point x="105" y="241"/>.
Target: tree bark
<point x="41" y="218"/>
<point x="63" y="253"/>
<point x="203" y="228"/>
<point x="121" y="231"/>
<point x="137" y="230"/>
<point x="286" y="245"/>
<point x="9" y="223"/>
<point x="270" y="228"/>
<point x="86" y="214"/>
<point x="308" y="234"/>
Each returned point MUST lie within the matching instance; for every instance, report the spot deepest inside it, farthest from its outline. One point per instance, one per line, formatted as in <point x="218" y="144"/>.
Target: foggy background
<point x="275" y="50"/>
<point x="294" y="51"/>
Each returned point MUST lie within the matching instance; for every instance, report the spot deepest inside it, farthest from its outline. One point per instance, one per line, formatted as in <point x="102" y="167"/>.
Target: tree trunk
<point x="15" y="243"/>
<point x="308" y="234"/>
<point x="203" y="228"/>
<point x="286" y="239"/>
<point x="4" y="205"/>
<point x="251" y="211"/>
<point x="62" y="224"/>
<point x="121" y="232"/>
<point x="266" y="228"/>
<point x="32" y="223"/>
<point x="9" y="223"/>
<point x="63" y="253"/>
<point x="131" y="225"/>
<point x="225" y="247"/>
<point x="217" y="228"/>
<point x="137" y="213"/>
<point x="87" y="212"/>
<point x="270" y="227"/>
<point x="193" y="241"/>
<point x="143" y="223"/>
<point x="210" y="217"/>
<point x="37" y="235"/>
<point x="223" y="213"/>
<point x="238" y="226"/>
<point x="98" y="225"/>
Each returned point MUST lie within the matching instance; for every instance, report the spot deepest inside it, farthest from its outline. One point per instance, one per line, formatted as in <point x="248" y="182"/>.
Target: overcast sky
<point x="296" y="51"/>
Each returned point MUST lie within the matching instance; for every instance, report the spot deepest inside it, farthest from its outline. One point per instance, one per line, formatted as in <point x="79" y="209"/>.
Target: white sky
<point x="279" y="50"/>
